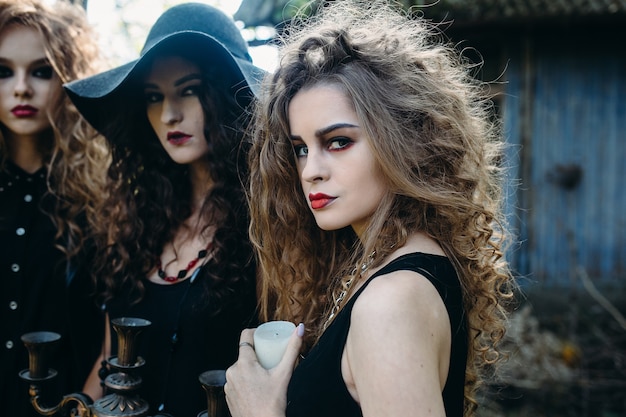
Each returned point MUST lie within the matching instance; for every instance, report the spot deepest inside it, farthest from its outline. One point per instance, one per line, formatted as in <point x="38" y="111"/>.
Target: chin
<point x="330" y="226"/>
<point x="182" y="160"/>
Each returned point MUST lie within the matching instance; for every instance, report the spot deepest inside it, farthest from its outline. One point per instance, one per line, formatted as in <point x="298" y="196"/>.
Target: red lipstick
<point x="24" y="111"/>
<point x="320" y="200"/>
<point x="177" y="138"/>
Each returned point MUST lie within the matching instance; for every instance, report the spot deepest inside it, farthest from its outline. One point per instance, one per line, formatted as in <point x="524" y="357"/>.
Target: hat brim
<point x="92" y="95"/>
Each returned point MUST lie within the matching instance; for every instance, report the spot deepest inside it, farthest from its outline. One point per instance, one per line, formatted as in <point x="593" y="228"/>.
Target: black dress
<point x="33" y="296"/>
<point x="317" y="387"/>
<point x="204" y="340"/>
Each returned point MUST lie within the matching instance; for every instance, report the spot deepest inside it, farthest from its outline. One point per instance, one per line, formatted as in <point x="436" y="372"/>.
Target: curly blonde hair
<point x="437" y="144"/>
<point x="77" y="158"/>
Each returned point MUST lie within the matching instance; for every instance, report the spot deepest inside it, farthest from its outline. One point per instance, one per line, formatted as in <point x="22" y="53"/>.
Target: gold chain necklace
<point x="338" y="301"/>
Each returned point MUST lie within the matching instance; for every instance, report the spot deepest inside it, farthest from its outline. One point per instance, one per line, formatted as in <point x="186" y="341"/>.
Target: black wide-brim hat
<point x="213" y="37"/>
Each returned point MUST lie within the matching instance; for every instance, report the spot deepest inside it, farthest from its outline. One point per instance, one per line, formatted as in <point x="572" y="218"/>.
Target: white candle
<point x="270" y="342"/>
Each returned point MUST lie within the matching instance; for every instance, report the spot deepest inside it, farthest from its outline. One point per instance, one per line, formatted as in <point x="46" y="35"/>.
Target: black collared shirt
<point x="32" y="272"/>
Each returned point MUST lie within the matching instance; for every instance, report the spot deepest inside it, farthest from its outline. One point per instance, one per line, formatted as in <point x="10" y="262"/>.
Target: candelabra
<point x="122" y="383"/>
<point x="213" y="384"/>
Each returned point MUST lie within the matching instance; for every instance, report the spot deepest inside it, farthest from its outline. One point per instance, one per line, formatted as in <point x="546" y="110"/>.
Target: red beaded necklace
<point x="183" y="272"/>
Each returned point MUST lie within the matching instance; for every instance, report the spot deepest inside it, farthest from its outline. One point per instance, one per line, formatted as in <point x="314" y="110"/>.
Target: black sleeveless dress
<point x="317" y="387"/>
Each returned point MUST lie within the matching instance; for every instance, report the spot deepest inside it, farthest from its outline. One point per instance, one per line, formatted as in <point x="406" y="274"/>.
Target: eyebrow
<point x="326" y="130"/>
<point x="183" y="80"/>
<point x="40" y="61"/>
<point x="180" y="81"/>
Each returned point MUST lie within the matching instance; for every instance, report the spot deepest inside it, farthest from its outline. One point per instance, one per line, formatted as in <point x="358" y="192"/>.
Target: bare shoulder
<point x="399" y="334"/>
<point x="398" y="294"/>
<point x="403" y="291"/>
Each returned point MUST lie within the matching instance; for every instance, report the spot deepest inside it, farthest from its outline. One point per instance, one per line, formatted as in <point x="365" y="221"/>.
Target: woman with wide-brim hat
<point x="173" y="245"/>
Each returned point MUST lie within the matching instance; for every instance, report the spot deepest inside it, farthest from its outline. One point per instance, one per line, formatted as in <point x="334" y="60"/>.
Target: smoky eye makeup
<point x="5" y="72"/>
<point x="44" y="72"/>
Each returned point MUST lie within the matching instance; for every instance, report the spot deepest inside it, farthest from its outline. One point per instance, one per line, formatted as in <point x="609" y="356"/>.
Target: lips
<point x="178" y="138"/>
<point x="320" y="200"/>
<point x="24" y="111"/>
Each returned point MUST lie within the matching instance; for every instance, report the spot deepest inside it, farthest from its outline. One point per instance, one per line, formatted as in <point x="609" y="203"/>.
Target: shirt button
<point x="28" y="198"/>
<point x="13" y="305"/>
<point x="15" y="268"/>
<point x="9" y="344"/>
<point x="20" y="231"/>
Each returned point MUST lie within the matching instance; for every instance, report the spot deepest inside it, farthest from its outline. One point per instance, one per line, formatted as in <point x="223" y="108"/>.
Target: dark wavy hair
<point x="149" y="194"/>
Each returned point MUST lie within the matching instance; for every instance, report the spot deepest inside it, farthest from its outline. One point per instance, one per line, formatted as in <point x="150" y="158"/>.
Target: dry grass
<point x="567" y="358"/>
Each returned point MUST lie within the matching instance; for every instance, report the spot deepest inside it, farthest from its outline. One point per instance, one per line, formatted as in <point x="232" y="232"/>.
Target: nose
<point x="170" y="114"/>
<point x="22" y="86"/>
<point x="314" y="168"/>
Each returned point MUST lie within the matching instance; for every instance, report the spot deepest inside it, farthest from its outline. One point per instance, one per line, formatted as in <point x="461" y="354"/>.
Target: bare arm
<point x="397" y="354"/>
<point x="92" y="384"/>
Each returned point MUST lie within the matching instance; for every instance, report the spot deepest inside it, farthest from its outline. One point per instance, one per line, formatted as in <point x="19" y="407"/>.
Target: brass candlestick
<point x="39" y="345"/>
<point x="121" y="402"/>
<point x="213" y="384"/>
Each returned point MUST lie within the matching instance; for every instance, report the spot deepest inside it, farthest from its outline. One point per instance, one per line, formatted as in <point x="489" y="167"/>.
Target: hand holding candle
<point x="270" y="342"/>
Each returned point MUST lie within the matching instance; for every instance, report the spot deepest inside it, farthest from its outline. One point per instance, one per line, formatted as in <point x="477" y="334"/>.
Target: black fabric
<point x="205" y="341"/>
<point x="33" y="295"/>
<point x="317" y="387"/>
<point x="86" y="318"/>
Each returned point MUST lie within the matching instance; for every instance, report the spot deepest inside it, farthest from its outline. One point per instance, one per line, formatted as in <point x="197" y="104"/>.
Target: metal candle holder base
<point x="122" y="383"/>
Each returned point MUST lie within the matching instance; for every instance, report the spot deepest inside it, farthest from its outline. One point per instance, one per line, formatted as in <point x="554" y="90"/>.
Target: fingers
<point x="246" y="344"/>
<point x="293" y="348"/>
<point x="247" y="336"/>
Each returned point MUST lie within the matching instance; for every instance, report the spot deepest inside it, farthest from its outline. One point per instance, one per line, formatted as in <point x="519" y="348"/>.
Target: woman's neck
<point x="24" y="151"/>
<point x="201" y="184"/>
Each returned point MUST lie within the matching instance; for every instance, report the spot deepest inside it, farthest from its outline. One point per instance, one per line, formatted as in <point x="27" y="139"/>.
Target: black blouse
<point x="32" y="271"/>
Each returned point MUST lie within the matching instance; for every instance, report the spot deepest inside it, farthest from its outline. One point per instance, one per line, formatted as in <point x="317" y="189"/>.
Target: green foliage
<point x="273" y="12"/>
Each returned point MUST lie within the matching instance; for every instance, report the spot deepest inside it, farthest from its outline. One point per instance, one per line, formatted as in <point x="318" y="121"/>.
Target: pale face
<point x="173" y="106"/>
<point x="339" y="175"/>
<point x="27" y="83"/>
